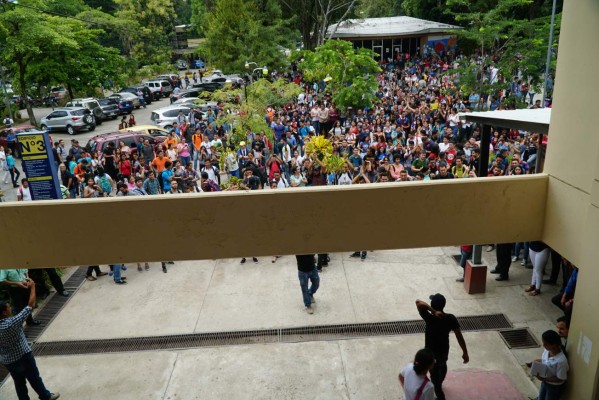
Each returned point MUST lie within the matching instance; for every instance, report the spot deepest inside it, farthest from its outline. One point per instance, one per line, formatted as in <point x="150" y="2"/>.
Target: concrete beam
<point x="260" y="223"/>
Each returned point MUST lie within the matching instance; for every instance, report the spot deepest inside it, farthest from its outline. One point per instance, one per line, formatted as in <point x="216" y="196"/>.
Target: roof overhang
<point x="534" y="120"/>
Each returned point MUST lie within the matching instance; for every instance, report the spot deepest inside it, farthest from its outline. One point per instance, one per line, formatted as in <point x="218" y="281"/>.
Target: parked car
<point x="128" y="96"/>
<point x="191" y="103"/>
<point x="69" y="119"/>
<point x="198" y="64"/>
<point x="59" y="92"/>
<point x="91" y="104"/>
<point x="181" y="64"/>
<point x="148" y="95"/>
<point x="110" y="107"/>
<point x="156" y="88"/>
<point x="125" y="106"/>
<point x="151" y="130"/>
<point x="131" y="139"/>
<point x="164" y="117"/>
<point x="194" y="93"/>
<point x="160" y="84"/>
<point x="16" y="130"/>
<point x="19" y="101"/>
<point x="208" y="86"/>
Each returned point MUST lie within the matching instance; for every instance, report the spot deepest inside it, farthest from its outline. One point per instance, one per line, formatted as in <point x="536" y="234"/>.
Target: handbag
<point x="421" y="388"/>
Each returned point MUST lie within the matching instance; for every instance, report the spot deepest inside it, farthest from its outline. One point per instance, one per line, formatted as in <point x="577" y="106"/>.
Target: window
<point x="171" y="113"/>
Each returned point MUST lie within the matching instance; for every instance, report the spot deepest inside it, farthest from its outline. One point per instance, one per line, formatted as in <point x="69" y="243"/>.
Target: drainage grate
<point x="284" y="335"/>
<point x="54" y="305"/>
<point x="518" y="338"/>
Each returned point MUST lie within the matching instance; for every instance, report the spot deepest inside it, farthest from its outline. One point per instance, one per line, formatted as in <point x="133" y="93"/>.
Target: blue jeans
<point x="234" y="173"/>
<point x="550" y="392"/>
<point x="116" y="270"/>
<point x="196" y="159"/>
<point x="465" y="257"/>
<point x="185" y="160"/>
<point x="522" y="245"/>
<point x="308" y="292"/>
<point x="25" y="370"/>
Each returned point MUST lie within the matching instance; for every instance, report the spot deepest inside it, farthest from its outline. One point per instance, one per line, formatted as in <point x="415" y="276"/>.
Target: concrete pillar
<point x="572" y="208"/>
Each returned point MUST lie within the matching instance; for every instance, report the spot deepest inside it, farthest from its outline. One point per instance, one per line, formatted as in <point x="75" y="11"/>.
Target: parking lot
<point x="142" y="117"/>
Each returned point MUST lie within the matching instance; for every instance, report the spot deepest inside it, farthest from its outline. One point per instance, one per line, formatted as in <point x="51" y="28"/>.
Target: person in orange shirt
<point x="158" y="165"/>
<point x="170" y="139"/>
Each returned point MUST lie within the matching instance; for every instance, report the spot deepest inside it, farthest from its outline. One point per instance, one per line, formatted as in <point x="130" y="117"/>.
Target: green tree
<point x="506" y="38"/>
<point x="148" y="29"/>
<point x="26" y="34"/>
<point x="198" y="14"/>
<point x="245" y="113"/>
<point x="380" y="8"/>
<point x="352" y="71"/>
<point x="237" y="31"/>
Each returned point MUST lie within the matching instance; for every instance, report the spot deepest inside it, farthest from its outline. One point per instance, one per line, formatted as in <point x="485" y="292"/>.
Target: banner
<point x="39" y="165"/>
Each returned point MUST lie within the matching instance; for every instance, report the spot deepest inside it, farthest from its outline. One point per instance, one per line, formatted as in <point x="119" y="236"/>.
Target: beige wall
<point x="572" y="222"/>
<point x="291" y="221"/>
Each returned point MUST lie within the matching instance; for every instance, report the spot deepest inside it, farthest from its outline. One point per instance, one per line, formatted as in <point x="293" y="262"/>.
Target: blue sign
<point x="39" y="165"/>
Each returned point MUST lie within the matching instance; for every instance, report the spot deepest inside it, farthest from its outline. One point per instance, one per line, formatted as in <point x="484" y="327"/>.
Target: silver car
<point x="166" y="116"/>
<point x="69" y="119"/>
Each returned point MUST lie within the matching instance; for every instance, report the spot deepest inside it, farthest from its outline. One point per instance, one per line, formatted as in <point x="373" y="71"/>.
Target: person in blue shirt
<point x="167" y="176"/>
<point x="12" y="169"/>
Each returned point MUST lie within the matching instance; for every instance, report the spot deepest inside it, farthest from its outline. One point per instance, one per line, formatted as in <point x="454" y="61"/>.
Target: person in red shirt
<point x="125" y="166"/>
<point x="466" y="252"/>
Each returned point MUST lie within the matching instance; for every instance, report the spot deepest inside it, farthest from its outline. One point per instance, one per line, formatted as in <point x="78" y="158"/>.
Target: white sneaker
<point x="514" y="259"/>
<point x="309" y="310"/>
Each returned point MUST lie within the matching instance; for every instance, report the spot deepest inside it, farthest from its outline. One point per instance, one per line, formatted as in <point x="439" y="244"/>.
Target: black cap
<point x="438" y="301"/>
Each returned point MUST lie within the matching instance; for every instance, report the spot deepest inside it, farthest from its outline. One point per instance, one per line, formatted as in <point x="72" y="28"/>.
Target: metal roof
<point x="534" y="120"/>
<point x="388" y="26"/>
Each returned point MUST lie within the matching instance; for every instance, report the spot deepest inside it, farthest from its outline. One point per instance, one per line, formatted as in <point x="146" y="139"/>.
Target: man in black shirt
<point x="436" y="338"/>
<point x="306" y="270"/>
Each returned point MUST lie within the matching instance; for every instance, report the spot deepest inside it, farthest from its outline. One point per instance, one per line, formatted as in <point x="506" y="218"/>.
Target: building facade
<point x="392" y="37"/>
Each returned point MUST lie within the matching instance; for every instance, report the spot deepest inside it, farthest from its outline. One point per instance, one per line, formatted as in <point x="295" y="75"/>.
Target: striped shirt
<point x="13" y="343"/>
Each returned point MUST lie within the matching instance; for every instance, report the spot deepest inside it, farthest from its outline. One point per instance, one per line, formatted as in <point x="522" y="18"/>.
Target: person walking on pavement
<point x="436" y="338"/>
<point x="306" y="271"/>
<point x="15" y="352"/>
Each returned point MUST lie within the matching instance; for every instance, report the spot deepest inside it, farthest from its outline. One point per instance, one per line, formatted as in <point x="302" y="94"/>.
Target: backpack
<point x="214" y="186"/>
<point x="105" y="185"/>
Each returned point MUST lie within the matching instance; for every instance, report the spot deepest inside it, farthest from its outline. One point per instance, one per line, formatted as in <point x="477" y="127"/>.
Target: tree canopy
<point x="352" y="72"/>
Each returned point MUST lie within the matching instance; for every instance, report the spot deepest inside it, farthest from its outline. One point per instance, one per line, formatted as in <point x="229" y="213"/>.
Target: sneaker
<point x="120" y="282"/>
<point x="312" y="299"/>
<point x="309" y="310"/>
<point x="170" y="262"/>
<point x="242" y="261"/>
<point x="514" y="259"/>
<point x="355" y="254"/>
<point x="102" y="273"/>
<point x="363" y="257"/>
<point x="139" y="269"/>
<point x="523" y="263"/>
<point x="491" y="247"/>
<point x="255" y="260"/>
<point x="147" y="267"/>
<point x="54" y="396"/>
<point x="64" y="293"/>
<point x="164" y="269"/>
<point x="91" y="278"/>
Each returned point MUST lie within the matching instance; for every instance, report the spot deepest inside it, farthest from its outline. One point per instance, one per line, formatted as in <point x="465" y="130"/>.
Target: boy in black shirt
<point x="436" y="338"/>
<point x="306" y="271"/>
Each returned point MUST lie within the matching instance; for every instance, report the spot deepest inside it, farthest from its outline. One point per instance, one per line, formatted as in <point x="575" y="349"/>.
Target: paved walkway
<point x="210" y="296"/>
